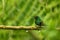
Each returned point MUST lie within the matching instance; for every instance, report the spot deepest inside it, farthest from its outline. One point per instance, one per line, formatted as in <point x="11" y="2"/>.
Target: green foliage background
<point x="21" y="12"/>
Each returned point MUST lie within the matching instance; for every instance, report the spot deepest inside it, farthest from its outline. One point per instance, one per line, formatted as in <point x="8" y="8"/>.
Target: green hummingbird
<point x="39" y="23"/>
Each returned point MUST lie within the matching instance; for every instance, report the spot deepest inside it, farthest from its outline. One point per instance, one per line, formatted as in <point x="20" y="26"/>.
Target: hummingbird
<point x="38" y="22"/>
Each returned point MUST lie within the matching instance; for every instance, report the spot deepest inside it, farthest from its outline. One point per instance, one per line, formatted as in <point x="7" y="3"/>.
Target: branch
<point x="21" y="27"/>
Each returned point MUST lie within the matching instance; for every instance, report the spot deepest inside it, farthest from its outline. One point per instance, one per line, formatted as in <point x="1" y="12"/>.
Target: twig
<point x="21" y="27"/>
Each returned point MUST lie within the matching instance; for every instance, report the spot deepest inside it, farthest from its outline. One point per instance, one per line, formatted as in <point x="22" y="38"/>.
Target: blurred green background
<point x="21" y="12"/>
